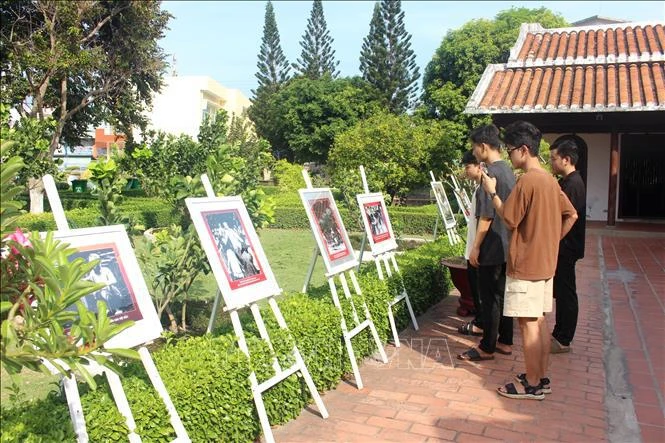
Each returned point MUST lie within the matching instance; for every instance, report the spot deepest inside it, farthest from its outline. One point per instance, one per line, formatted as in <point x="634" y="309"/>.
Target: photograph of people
<point x="233" y="245"/>
<point x="329" y="227"/>
<point x="116" y="293"/>
<point x="377" y="221"/>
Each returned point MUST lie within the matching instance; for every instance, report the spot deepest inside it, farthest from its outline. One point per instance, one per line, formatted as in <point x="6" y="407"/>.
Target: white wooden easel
<point x="360" y="326"/>
<point x="451" y="229"/>
<point x="462" y="198"/>
<point x="70" y="386"/>
<point x="280" y="374"/>
<point x="387" y="258"/>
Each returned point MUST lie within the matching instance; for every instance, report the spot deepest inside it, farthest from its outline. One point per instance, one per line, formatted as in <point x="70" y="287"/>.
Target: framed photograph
<point x="126" y="294"/>
<point x="444" y="206"/>
<point x="377" y="223"/>
<point x="233" y="249"/>
<point x="328" y="229"/>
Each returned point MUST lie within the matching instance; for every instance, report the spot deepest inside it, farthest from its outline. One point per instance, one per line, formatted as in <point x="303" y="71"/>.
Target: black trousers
<point x="496" y="327"/>
<point x="472" y="275"/>
<point x="567" y="308"/>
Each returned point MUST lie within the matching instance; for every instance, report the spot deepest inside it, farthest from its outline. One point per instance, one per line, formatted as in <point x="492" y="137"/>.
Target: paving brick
<point x="470" y="438"/>
<point x="400" y="436"/>
<point x="374" y="411"/>
<point x="418" y="417"/>
<point x="356" y="428"/>
<point x="432" y="431"/>
<point x="389" y="423"/>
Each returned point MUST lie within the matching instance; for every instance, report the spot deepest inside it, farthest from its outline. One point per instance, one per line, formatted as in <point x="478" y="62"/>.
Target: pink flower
<point x="19" y="237"/>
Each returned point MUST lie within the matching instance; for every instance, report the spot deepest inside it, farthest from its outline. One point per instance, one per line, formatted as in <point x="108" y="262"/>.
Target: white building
<point x="185" y="101"/>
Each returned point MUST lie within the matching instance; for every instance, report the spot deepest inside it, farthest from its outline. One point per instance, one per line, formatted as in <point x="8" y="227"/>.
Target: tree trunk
<point x="183" y="318"/>
<point x="174" y="324"/>
<point x="36" y="188"/>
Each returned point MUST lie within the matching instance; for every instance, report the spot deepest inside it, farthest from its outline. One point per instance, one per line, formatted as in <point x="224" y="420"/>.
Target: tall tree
<point x="386" y="58"/>
<point x="80" y="63"/>
<point x="459" y="62"/>
<point x="272" y="64"/>
<point x="272" y="74"/>
<point x="317" y="57"/>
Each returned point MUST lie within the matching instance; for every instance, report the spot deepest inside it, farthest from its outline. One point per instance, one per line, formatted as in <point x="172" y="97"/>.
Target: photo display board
<point x="331" y="236"/>
<point x="233" y="249"/>
<point x="444" y="206"/>
<point x="377" y="223"/>
<point x="126" y="294"/>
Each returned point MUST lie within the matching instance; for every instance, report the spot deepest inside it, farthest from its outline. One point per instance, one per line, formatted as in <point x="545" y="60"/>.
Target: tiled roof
<point x="617" y="67"/>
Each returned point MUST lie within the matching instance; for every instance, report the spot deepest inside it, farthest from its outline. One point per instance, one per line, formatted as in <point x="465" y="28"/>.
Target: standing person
<point x="539" y="215"/>
<point x="564" y="154"/>
<point x="472" y="172"/>
<point x="490" y="250"/>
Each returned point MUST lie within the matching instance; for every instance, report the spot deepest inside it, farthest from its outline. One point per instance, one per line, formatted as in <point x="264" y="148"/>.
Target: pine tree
<point x="272" y="64"/>
<point x="317" y="57"/>
<point x="272" y="74"/>
<point x="387" y="60"/>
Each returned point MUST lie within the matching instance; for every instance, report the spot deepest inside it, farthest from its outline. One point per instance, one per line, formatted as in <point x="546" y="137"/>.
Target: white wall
<point x="598" y="173"/>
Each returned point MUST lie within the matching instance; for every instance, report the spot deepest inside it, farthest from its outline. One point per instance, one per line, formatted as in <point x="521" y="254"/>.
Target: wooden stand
<point x="298" y="367"/>
<point x="71" y="388"/>
<point x="359" y="326"/>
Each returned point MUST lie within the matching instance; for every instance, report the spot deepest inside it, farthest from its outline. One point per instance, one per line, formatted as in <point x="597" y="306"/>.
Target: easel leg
<point x="408" y="306"/>
<point x="352" y="358"/>
<point x="393" y="328"/>
<point x="75" y="408"/>
<point x="123" y="405"/>
<point x="157" y="382"/>
<point x="310" y="270"/>
<point x="215" y="307"/>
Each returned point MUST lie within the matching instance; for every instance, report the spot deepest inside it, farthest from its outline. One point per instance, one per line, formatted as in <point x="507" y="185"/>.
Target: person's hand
<point x="473" y="256"/>
<point x="489" y="183"/>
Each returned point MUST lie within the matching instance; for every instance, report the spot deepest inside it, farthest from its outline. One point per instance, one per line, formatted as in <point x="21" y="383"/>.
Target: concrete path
<point x="610" y="388"/>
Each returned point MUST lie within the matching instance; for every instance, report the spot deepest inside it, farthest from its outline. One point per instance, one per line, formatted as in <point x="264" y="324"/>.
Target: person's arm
<point x="481" y="231"/>
<point x="489" y="184"/>
<point x="568" y="214"/>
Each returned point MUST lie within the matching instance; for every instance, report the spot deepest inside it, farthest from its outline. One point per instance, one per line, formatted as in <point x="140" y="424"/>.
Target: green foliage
<point x="207" y="377"/>
<point x="38" y="421"/>
<point x="30" y="140"/>
<point x="273" y="66"/>
<point x="459" y="62"/>
<point x="9" y="207"/>
<point x="309" y="114"/>
<point x="172" y="261"/>
<point x="109" y="183"/>
<point x="288" y="175"/>
<point x="387" y="60"/>
<point x="396" y="151"/>
<point x="317" y="57"/>
<point x="88" y="62"/>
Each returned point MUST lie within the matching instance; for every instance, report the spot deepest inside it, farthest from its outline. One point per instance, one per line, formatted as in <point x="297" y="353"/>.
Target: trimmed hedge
<point x="207" y="377"/>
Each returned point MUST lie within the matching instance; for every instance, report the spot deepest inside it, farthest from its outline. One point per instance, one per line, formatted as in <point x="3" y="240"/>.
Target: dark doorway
<point x="642" y="176"/>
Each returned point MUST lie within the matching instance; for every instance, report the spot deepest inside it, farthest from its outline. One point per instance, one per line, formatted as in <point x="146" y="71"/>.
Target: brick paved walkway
<point x="423" y="395"/>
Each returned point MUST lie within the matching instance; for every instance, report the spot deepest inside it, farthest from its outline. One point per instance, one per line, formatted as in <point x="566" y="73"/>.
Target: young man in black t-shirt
<point x="564" y="154"/>
<point x="490" y="250"/>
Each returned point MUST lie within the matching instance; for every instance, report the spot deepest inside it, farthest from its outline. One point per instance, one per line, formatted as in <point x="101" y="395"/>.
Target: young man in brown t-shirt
<point x="539" y="215"/>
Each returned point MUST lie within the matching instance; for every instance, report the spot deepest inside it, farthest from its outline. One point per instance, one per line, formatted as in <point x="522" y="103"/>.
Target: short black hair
<point x="488" y="134"/>
<point x="566" y="146"/>
<point x="469" y="159"/>
<point x="520" y="133"/>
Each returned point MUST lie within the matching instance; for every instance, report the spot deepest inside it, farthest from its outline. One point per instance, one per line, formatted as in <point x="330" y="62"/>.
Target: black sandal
<point x="467" y="329"/>
<point x="544" y="383"/>
<point x="530" y="392"/>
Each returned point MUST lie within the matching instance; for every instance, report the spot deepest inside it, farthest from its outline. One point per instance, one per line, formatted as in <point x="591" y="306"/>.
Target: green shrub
<point x="208" y="377"/>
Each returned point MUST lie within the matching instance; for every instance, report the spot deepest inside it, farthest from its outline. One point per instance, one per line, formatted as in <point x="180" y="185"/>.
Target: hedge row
<point x="207" y="377"/>
<point x="152" y="212"/>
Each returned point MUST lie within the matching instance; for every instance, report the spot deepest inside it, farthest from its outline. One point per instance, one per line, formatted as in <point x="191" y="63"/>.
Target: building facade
<point x="604" y="83"/>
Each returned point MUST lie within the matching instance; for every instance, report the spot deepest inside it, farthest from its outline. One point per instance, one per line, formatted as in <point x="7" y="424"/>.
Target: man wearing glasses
<point x="539" y="215"/>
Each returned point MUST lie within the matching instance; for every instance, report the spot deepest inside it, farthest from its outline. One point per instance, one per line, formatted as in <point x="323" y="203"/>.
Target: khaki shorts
<point x="527" y="298"/>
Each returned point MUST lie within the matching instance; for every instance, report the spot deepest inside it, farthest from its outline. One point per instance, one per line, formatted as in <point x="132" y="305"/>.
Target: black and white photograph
<point x="117" y="294"/>
<point x="328" y="229"/>
<point x="125" y="292"/>
<point x="378" y="229"/>
<point x="444" y="205"/>
<point x="234" y="247"/>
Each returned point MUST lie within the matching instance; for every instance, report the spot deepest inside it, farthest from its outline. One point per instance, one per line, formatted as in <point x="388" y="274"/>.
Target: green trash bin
<point x="80" y="186"/>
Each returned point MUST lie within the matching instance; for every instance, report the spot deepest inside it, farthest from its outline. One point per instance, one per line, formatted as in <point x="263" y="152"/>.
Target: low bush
<point x="207" y="377"/>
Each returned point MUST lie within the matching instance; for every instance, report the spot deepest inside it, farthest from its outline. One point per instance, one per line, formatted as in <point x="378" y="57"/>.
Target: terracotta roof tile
<point x="588" y="69"/>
